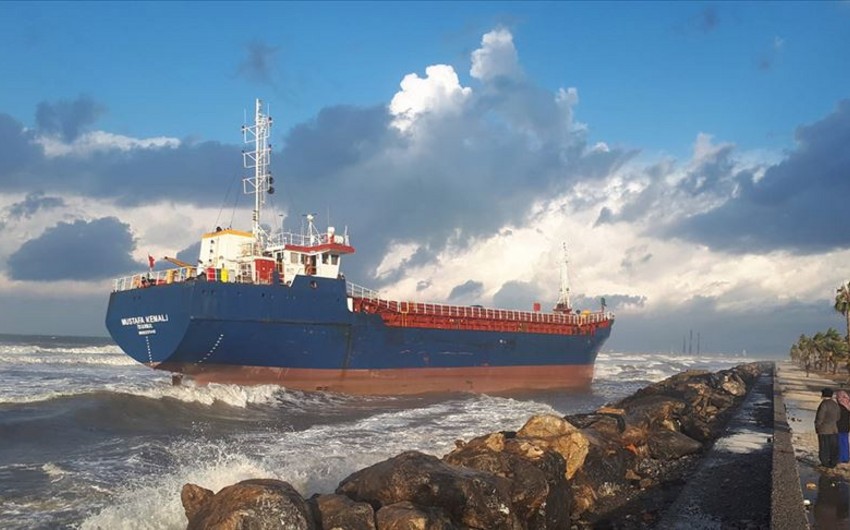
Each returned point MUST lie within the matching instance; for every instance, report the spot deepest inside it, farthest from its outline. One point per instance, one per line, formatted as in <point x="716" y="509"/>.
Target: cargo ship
<point x="274" y="308"/>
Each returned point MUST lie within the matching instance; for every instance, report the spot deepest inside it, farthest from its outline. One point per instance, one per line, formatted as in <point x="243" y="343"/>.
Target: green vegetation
<point x="827" y="351"/>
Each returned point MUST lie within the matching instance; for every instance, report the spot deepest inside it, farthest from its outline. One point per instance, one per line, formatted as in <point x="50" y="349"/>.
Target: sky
<point x="692" y="156"/>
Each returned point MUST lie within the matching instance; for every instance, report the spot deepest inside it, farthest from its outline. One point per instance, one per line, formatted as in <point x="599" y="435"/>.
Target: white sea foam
<point x="54" y="471"/>
<point x="657" y="366"/>
<point x="313" y="460"/>
<point x="28" y="349"/>
<point x="233" y="395"/>
<point x="154" y="502"/>
<point x="55" y="358"/>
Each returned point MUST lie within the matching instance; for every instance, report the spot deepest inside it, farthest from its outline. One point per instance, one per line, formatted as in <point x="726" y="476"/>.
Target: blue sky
<point x="691" y="153"/>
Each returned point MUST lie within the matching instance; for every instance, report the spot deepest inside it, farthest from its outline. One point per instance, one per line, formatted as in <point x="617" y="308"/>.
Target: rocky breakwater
<point x="620" y="465"/>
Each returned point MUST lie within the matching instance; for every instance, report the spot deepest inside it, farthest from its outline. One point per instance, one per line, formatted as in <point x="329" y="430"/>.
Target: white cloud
<point x="667" y="272"/>
<point x="439" y="92"/>
<point x="98" y="141"/>
<point x="497" y="57"/>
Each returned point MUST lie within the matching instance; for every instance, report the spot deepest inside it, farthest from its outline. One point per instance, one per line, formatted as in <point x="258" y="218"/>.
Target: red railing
<point x="441" y="316"/>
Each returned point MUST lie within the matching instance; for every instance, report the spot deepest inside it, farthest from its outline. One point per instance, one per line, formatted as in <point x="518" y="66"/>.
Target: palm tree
<point x="842" y="305"/>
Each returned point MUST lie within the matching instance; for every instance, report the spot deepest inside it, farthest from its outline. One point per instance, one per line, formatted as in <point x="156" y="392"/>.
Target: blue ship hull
<point x="305" y="336"/>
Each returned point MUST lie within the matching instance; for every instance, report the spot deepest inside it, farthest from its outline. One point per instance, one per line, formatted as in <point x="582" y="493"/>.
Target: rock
<point x="733" y="384"/>
<point x="472" y="498"/>
<point x="584" y="498"/>
<point x="653" y="410"/>
<point x="553" y="473"/>
<point x="669" y="445"/>
<point x="539" y="488"/>
<point x="338" y="512"/>
<point x="193" y="497"/>
<point x="607" y="463"/>
<point x="257" y="504"/>
<point x="553" y="432"/>
<point x="407" y="516"/>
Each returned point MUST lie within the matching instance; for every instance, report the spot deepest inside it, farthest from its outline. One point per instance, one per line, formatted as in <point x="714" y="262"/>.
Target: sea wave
<point x="111" y="359"/>
<point x="24" y="348"/>
<point x="154" y="502"/>
<point x="232" y="395"/>
<point x="313" y="460"/>
<point x="653" y="367"/>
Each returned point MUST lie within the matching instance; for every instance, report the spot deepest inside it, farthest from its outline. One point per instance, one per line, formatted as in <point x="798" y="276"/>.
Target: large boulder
<point x="407" y="516"/>
<point x="472" y="498"/>
<point x="338" y="512"/>
<point x="257" y="504"/>
<point x="552" y="432"/>
<point x="193" y="498"/>
<point x="539" y="488"/>
<point x="654" y="410"/>
<point x="732" y="383"/>
<point x="670" y="445"/>
<point x="608" y="469"/>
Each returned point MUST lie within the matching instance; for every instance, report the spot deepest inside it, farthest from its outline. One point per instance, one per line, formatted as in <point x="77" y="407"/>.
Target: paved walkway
<point x="826" y="492"/>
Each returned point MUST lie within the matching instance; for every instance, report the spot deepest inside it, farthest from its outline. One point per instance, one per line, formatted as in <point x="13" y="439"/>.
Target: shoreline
<point x="649" y="460"/>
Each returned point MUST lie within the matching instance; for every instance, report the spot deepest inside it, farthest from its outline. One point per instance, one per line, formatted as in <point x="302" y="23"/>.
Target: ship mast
<point x="259" y="159"/>
<point x="564" y="305"/>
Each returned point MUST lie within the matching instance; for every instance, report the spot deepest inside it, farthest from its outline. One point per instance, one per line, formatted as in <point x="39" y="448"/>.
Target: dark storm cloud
<point x="467" y="291"/>
<point x="635" y="258"/>
<point x="462" y="176"/>
<point x="521" y="296"/>
<point x="259" y="63"/>
<point x="465" y="175"/>
<point x="198" y="173"/>
<point x="190" y="254"/>
<point x="82" y="250"/>
<point x="799" y="205"/>
<point x="32" y="203"/>
<point x="17" y="150"/>
<point x="711" y="178"/>
<point x="337" y="138"/>
<point x="65" y="118"/>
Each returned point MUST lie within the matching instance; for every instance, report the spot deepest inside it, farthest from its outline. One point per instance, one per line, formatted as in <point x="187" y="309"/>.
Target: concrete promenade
<point x="762" y="473"/>
<point x="825" y="492"/>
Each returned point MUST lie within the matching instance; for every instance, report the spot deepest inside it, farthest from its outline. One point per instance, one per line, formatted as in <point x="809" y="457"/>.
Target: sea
<point x="89" y="439"/>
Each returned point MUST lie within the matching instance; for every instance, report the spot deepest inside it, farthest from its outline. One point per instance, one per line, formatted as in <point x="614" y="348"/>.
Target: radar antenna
<point x="564" y="305"/>
<point x="259" y="159"/>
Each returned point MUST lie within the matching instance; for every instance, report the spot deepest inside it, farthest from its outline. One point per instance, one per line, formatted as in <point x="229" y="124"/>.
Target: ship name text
<point x="149" y="319"/>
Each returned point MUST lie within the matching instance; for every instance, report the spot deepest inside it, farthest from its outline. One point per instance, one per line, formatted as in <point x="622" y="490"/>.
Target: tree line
<point x="826" y="350"/>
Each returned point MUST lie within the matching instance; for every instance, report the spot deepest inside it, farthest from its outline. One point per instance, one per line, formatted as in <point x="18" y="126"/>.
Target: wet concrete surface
<point x="732" y="487"/>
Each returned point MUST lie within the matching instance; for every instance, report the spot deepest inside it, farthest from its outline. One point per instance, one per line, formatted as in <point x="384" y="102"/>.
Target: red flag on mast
<point x="151" y="261"/>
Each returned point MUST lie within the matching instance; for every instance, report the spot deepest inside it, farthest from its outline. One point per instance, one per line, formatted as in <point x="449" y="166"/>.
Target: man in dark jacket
<point x="826" y="426"/>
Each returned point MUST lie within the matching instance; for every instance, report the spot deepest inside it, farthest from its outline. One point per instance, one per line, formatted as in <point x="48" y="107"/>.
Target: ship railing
<point x="357" y="291"/>
<point x="306" y="240"/>
<point x="475" y="312"/>
<point x="153" y="278"/>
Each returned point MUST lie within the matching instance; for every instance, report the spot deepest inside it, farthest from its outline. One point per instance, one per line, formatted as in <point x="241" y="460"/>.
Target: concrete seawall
<point x="787" y="510"/>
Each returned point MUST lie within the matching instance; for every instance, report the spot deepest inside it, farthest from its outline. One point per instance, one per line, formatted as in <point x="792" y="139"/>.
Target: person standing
<point x="826" y="427"/>
<point x="843" y="399"/>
